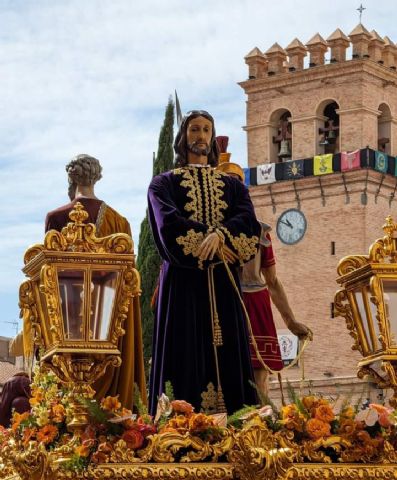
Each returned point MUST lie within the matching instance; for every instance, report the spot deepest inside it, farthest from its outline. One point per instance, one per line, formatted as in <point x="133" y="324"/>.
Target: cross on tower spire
<point x="360" y="9"/>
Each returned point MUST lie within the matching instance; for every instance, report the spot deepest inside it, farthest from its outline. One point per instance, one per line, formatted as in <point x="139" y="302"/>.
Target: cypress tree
<point x="149" y="261"/>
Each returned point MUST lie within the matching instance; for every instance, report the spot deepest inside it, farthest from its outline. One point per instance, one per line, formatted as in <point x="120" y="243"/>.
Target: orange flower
<point x="18" y="418"/>
<point x="384" y="414"/>
<point x="133" y="438"/>
<point x="58" y="413"/>
<point x="111" y="404"/>
<point x="180" y="406"/>
<point x="289" y="411"/>
<point x="309" y="401"/>
<point x="292" y="419"/>
<point x="37" y="397"/>
<point x="180" y="422"/>
<point x="317" y="428"/>
<point x="82" y="450"/>
<point x="349" y="427"/>
<point x="28" y="435"/>
<point x="324" y="413"/>
<point x="199" y="422"/>
<point x="347" y="412"/>
<point x="47" y="434"/>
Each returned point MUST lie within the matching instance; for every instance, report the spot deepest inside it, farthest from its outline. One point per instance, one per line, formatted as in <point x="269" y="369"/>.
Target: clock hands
<point x="287" y="222"/>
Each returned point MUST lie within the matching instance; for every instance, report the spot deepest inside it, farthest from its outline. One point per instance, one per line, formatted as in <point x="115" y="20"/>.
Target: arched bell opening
<point x="328" y="128"/>
<point x="280" y="136"/>
<point x="384" y="129"/>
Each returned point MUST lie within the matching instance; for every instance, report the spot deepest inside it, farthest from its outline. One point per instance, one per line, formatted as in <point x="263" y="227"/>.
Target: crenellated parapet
<point x="339" y="47"/>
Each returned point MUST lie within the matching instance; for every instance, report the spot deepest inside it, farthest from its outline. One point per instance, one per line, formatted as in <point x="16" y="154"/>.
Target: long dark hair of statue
<point x="180" y="144"/>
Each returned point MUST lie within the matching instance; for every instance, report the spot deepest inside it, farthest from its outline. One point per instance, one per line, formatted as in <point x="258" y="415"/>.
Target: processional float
<point x="75" y="301"/>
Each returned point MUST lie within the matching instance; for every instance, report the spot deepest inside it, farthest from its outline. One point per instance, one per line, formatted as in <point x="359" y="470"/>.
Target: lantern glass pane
<point x="364" y="319"/>
<point x="103" y="294"/>
<point x="71" y="290"/>
<point x="390" y="301"/>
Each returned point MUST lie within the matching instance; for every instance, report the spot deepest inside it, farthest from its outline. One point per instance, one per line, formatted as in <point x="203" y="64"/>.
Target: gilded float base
<point x="225" y="471"/>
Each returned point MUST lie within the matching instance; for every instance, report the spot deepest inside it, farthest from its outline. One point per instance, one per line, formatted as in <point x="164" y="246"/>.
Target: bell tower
<point x="335" y="96"/>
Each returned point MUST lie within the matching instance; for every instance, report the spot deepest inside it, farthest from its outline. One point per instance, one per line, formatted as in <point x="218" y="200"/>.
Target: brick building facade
<point x="357" y="91"/>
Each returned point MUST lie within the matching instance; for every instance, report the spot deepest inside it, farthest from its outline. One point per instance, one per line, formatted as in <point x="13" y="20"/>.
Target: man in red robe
<point x="259" y="283"/>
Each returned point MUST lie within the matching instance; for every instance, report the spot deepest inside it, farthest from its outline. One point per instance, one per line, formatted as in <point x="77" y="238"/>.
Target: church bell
<point x="284" y="149"/>
<point x="331" y="135"/>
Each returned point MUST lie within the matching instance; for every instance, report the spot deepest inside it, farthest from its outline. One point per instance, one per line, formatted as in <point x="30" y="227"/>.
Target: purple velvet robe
<point x="15" y="396"/>
<point x="184" y="205"/>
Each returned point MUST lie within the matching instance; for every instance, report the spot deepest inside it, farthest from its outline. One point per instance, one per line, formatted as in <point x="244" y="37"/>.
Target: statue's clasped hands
<point x="213" y="244"/>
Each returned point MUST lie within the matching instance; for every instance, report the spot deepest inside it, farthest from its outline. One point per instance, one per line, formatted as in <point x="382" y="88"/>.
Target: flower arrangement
<point x="346" y="435"/>
<point x="310" y="425"/>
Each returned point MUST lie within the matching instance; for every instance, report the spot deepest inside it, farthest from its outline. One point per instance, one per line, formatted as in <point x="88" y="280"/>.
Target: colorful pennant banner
<point x="350" y="160"/>
<point x="381" y="162"/>
<point x="266" y="173"/>
<point x="322" y="164"/>
<point x="293" y="169"/>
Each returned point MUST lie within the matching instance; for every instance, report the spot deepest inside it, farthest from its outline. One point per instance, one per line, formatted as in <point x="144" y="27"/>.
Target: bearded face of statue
<point x="199" y="135"/>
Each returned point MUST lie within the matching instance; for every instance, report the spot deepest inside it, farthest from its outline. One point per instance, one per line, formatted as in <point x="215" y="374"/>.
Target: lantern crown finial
<point x="78" y="215"/>
<point x="389" y="227"/>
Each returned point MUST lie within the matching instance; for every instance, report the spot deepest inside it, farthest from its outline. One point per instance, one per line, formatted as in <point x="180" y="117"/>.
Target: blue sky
<point x="94" y="77"/>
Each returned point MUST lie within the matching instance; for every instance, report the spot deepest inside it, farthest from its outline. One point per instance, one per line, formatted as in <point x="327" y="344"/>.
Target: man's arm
<point x="280" y="300"/>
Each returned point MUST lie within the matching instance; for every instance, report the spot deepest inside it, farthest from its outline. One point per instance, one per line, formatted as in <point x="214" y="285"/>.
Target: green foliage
<point x="294" y="398"/>
<point x="169" y="391"/>
<point x="75" y="464"/>
<point x="264" y="399"/>
<point x="234" y="419"/>
<point x="140" y="406"/>
<point x="149" y="261"/>
<point x="94" y="409"/>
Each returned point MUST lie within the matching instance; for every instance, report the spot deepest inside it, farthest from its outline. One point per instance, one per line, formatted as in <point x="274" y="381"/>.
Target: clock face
<point x="291" y="226"/>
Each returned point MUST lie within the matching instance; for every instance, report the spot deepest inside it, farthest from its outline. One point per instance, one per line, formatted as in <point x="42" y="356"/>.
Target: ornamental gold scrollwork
<point x="131" y="288"/>
<point x="78" y="236"/>
<point x="29" y="463"/>
<point x="341" y="472"/>
<point x="351" y="263"/>
<point x="343" y="309"/>
<point x="381" y="317"/>
<point x="385" y="247"/>
<point x="152" y="472"/>
<point x="256" y="456"/>
<point x="48" y="287"/>
<point x="167" y="448"/>
<point x="28" y="311"/>
<point x="81" y="370"/>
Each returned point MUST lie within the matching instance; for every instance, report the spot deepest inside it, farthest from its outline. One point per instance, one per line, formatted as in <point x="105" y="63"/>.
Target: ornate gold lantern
<point x="368" y="301"/>
<point x="76" y="301"/>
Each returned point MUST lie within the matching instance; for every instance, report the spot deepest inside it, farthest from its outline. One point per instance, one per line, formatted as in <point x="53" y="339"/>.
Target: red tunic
<point x="259" y="309"/>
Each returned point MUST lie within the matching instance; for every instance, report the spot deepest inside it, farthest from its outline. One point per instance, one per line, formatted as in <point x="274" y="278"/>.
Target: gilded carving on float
<point x="62" y="299"/>
<point x="368" y="302"/>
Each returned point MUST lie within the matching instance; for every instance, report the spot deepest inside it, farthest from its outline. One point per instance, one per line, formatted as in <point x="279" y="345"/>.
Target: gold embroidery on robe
<point x="217" y="203"/>
<point x="190" y="244"/>
<point x="246" y="247"/>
